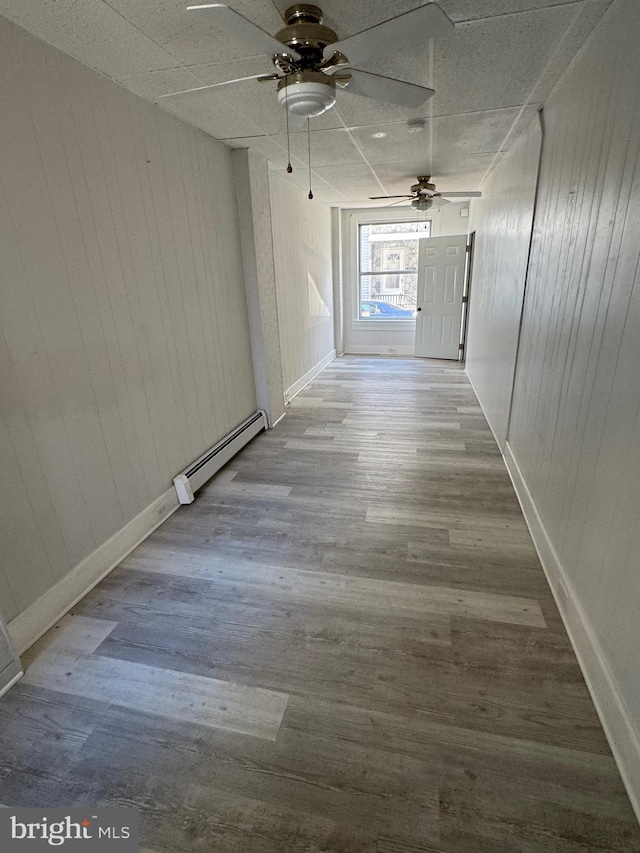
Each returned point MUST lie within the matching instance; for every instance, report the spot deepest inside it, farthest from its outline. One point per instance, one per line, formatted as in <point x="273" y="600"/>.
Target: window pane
<point x="384" y="248"/>
<point x="388" y="297"/>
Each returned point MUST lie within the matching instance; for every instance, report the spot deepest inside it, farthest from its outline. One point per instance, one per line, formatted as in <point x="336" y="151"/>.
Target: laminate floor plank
<point x="65" y="656"/>
<point x="346" y="644"/>
<point x="389" y="598"/>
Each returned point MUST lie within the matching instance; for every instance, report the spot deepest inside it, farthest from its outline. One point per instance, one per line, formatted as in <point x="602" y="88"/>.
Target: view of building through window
<point x="388" y="269"/>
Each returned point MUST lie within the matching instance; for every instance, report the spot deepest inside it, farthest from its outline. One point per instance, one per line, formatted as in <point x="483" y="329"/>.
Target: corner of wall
<point x="254" y="215"/>
<point x="36" y="620"/>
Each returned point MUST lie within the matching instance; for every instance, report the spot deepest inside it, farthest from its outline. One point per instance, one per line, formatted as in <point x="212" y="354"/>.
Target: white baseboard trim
<point x="477" y="396"/>
<point x="10" y="684"/>
<point x="623" y="737"/>
<point x="356" y="349"/>
<point x="30" y="625"/>
<point x="308" y="377"/>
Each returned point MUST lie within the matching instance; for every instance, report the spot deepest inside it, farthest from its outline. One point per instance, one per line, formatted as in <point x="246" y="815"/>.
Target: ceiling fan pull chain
<point x="309" y="147"/>
<point x="286" y="108"/>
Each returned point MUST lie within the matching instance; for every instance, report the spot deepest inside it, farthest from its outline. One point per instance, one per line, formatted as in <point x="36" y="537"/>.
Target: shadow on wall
<point x="317" y="304"/>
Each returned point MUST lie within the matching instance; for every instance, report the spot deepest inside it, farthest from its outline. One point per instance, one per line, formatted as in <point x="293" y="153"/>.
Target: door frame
<point x="466" y="296"/>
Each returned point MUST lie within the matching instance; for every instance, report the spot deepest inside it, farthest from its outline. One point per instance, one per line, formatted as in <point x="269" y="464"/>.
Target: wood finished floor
<point x="345" y="645"/>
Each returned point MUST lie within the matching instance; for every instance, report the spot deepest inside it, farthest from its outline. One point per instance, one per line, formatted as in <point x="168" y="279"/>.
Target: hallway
<point x="345" y="645"/>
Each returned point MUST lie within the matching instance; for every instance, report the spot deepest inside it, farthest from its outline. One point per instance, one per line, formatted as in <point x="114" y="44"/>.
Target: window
<point x="388" y="269"/>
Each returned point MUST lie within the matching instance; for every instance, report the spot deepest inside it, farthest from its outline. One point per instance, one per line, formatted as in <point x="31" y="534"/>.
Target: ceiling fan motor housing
<point x="424" y="186"/>
<point x="305" y="32"/>
<point x="304" y="12"/>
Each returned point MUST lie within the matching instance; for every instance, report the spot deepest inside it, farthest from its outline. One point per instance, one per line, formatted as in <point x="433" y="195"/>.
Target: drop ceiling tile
<point x="496" y="63"/>
<point x="256" y="104"/>
<point x="155" y="83"/>
<point x="219" y="72"/>
<point x="590" y="14"/>
<point x="331" y="120"/>
<point x="412" y="67"/>
<point x="212" y="112"/>
<point x="92" y="32"/>
<point x="244" y="108"/>
<point x="358" y="111"/>
<point x="397" y="144"/>
<point x="464" y="10"/>
<point x="300" y="178"/>
<point x="475" y="133"/>
<point x="360" y="194"/>
<point x="347" y="177"/>
<point x="330" y="197"/>
<point x="328" y="147"/>
<point x="458" y="174"/>
<point x="190" y="37"/>
<point x="400" y="176"/>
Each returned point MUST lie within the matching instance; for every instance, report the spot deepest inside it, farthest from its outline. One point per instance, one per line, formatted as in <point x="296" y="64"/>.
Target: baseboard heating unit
<point x="205" y="466"/>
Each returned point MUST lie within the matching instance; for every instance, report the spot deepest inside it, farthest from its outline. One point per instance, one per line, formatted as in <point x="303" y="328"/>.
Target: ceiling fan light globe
<point x="307" y="98"/>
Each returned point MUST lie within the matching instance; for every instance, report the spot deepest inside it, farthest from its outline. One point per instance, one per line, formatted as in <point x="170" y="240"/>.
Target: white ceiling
<point x="498" y="66"/>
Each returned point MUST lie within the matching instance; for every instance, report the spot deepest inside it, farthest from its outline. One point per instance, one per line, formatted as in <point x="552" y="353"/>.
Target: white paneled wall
<point x="574" y="438"/>
<point x="10" y="667"/>
<point x="304" y="279"/>
<point x="254" y="212"/>
<point x="502" y="220"/>
<point x="124" y="343"/>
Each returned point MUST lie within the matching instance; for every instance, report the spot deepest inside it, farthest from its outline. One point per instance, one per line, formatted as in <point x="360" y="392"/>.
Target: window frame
<point x="376" y="217"/>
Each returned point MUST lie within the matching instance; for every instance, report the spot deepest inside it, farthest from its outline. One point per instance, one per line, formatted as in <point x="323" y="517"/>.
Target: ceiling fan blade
<point x="380" y="197"/>
<point x="234" y="24"/>
<point x="402" y="201"/>
<point x="462" y="195"/>
<point x="386" y="89"/>
<point x="436" y="201"/>
<point x="405" y="32"/>
<point x="216" y="85"/>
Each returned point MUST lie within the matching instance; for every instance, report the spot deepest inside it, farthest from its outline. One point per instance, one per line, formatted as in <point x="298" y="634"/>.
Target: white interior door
<point x="441" y="263"/>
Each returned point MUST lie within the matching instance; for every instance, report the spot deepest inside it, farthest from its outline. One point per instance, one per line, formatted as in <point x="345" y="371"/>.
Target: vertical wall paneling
<point x="502" y="220"/>
<point x="254" y="210"/>
<point x="124" y="337"/>
<point x="10" y="668"/>
<point x="573" y="445"/>
<point x="304" y="281"/>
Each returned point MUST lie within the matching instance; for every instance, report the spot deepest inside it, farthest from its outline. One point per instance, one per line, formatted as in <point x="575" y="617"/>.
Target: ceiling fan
<point x="424" y="195"/>
<point x="312" y="62"/>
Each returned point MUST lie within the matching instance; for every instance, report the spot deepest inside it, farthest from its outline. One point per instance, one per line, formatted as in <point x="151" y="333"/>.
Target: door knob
<point x="419" y="309"/>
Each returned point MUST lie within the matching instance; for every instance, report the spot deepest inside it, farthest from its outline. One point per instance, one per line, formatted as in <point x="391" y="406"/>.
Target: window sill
<point x="387" y="325"/>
